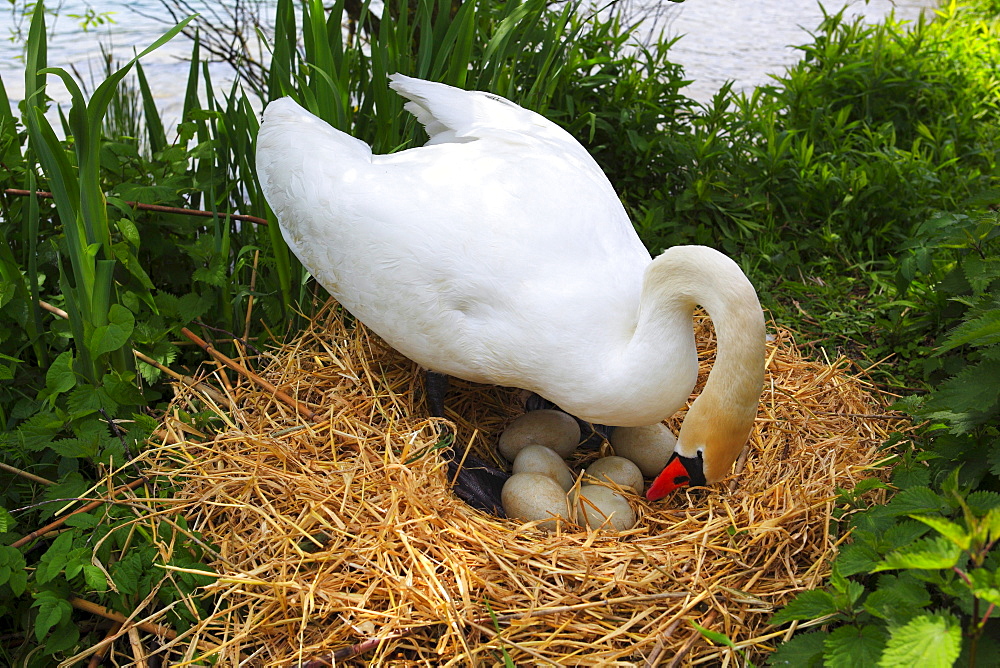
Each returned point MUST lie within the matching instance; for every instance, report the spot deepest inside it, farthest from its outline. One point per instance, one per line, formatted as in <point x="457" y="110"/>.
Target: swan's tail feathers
<point x="453" y="115"/>
<point x="289" y="128"/>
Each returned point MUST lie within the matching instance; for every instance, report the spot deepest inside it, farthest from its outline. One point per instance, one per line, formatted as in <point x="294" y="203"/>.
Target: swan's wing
<point x="453" y="115"/>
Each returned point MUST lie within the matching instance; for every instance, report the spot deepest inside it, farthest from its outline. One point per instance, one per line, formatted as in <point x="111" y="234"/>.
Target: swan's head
<point x="679" y="472"/>
<point x="711" y="439"/>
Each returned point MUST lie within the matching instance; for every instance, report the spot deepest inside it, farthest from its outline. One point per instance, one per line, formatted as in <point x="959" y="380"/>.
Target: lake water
<point x="742" y="40"/>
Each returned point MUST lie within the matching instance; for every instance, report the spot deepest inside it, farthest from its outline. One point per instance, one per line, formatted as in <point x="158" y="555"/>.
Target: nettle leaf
<point x="87" y="399"/>
<point x="147" y="194"/>
<point x="121" y="390"/>
<point x="901" y="534"/>
<point x="804" y="650"/>
<point x="994" y="461"/>
<point x="980" y="271"/>
<point x="214" y="274"/>
<point x="917" y="500"/>
<point x="37" y="432"/>
<point x="896" y="604"/>
<point x="980" y="331"/>
<point x="927" y="554"/>
<point x="807" y="605"/>
<point x="928" y="641"/>
<point x="981" y="502"/>
<point x="853" y="647"/>
<point x="74" y="447"/>
<point x="950" y="530"/>
<point x="905" y="477"/>
<point x="985" y="585"/>
<point x="858" y="557"/>
<point x="847" y="592"/>
<point x="192" y="306"/>
<point x="115" y="334"/>
<point x="968" y="399"/>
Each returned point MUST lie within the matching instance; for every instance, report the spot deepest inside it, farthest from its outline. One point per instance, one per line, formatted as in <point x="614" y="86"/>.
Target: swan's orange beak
<point x="673" y="477"/>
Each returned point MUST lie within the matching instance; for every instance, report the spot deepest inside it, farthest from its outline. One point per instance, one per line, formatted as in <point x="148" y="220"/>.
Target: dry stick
<point x="99" y="655"/>
<point x="660" y="647"/>
<point x="54" y="309"/>
<point x="278" y="394"/>
<point x="148" y="627"/>
<point x="189" y="381"/>
<point x="194" y="383"/>
<point x="690" y="642"/>
<point x="90" y="506"/>
<point x="25" y="474"/>
<point x="155" y="207"/>
<point x="138" y="651"/>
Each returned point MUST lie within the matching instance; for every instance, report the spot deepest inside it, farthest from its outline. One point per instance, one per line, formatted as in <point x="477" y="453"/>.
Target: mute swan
<point x="500" y="253"/>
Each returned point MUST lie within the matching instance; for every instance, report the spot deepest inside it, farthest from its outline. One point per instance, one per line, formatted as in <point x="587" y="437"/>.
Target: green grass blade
<point x="154" y="124"/>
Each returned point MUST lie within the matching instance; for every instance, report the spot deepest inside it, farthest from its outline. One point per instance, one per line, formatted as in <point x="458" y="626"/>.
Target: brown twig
<point x="239" y="368"/>
<point x="154" y="207"/>
<point x="25" y="474"/>
<point x="90" y="506"/>
<point x="679" y="657"/>
<point x="354" y="650"/>
<point x="216" y="396"/>
<point x="148" y="627"/>
<point x="53" y="309"/>
<point x="102" y="652"/>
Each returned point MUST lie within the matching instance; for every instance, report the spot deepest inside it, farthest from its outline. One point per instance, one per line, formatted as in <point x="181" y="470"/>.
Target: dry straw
<point x="338" y="541"/>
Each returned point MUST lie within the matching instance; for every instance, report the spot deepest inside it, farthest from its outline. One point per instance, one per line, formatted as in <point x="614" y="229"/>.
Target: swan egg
<point x="649" y="448"/>
<point x="533" y="496"/>
<point x="539" y="459"/>
<point x="553" y="429"/>
<point x="597" y="505"/>
<point x="619" y="470"/>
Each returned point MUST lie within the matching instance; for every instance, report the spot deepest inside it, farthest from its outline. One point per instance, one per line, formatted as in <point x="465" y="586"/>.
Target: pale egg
<point x="598" y="506"/>
<point x="619" y="470"/>
<point x="550" y="428"/>
<point x="539" y="459"/>
<point x="649" y="448"/>
<point x="533" y="496"/>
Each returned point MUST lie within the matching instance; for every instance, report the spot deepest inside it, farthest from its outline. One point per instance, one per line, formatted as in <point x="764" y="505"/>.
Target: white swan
<point x="500" y="253"/>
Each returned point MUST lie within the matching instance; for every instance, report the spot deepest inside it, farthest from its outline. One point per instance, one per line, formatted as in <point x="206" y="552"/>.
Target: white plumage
<point x="500" y="253"/>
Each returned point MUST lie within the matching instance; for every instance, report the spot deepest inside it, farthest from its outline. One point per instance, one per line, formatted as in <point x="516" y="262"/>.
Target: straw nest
<point x="337" y="539"/>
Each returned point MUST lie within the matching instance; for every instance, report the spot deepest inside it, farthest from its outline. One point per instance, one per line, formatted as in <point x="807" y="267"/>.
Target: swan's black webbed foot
<point x="476" y="482"/>
<point x="592" y="435"/>
<point x="435" y="387"/>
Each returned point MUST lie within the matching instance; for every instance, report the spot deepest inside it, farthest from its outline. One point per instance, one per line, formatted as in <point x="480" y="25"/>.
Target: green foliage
<point x="859" y="191"/>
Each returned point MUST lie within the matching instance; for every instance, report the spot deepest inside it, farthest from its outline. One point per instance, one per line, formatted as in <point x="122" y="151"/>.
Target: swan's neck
<point x="721" y="417"/>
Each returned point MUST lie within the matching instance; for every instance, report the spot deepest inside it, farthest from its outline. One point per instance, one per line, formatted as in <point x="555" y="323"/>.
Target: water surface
<point x="740" y="40"/>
